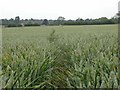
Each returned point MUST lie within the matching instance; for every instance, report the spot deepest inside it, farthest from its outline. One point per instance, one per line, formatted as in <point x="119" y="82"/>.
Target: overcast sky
<point x="52" y="9"/>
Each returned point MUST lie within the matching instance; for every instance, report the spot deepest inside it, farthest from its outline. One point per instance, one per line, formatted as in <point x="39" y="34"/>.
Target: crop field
<point x="83" y="56"/>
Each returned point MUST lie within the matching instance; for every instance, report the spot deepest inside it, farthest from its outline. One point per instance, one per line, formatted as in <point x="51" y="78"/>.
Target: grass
<point x="60" y="56"/>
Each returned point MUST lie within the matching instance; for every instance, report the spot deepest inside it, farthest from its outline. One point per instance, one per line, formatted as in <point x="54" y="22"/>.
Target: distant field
<point x="61" y="56"/>
<point x="42" y="32"/>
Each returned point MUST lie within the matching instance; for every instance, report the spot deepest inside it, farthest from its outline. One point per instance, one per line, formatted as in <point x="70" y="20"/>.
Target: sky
<point x="52" y="9"/>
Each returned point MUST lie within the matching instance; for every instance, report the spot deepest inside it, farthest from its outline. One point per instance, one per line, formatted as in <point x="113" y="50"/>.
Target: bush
<point x="32" y="25"/>
<point x="13" y="25"/>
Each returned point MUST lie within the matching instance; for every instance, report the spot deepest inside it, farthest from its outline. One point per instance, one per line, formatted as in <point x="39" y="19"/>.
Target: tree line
<point x="17" y="22"/>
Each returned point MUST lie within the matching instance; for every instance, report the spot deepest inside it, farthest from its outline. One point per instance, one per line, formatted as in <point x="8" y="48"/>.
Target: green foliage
<point x="52" y="37"/>
<point x="88" y="58"/>
<point x="45" y="22"/>
<point x="60" y="21"/>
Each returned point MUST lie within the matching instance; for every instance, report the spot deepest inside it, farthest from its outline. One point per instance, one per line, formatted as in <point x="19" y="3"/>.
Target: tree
<point x="17" y="21"/>
<point x="45" y="22"/>
<point x="60" y="20"/>
<point x="79" y="19"/>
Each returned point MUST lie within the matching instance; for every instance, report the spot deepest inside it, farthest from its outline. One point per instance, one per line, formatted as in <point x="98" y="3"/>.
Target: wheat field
<point x="83" y="56"/>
